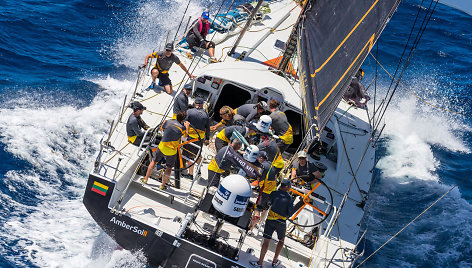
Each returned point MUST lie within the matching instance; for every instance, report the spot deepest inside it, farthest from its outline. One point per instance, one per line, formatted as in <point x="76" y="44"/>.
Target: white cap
<point x="251" y="153"/>
<point x="263" y="125"/>
<point x="302" y="154"/>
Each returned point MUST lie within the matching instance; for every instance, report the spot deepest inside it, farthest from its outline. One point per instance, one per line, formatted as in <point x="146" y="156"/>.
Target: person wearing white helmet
<point x="264" y="123"/>
<point x="251" y="153"/>
<point x="249" y="112"/>
<point x="227" y="157"/>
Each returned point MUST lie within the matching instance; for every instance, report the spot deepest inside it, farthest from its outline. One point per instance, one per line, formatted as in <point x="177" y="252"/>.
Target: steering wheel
<point x="318" y="197"/>
<point x="189" y="151"/>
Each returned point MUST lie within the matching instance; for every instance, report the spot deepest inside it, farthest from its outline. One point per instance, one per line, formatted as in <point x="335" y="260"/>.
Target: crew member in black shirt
<point x="164" y="60"/>
<point x="281" y="208"/>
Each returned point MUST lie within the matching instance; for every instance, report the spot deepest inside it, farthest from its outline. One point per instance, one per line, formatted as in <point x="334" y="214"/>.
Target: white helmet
<point x="263" y="125"/>
<point x="251" y="153"/>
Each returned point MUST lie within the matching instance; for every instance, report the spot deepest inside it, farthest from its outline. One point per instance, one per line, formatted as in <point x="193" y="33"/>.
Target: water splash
<point x="58" y="145"/>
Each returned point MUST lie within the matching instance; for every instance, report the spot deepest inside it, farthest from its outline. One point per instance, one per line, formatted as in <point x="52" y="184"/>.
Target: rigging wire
<point x="180" y="24"/>
<point x="375" y="81"/>
<point x="401" y="230"/>
<point x="401" y="57"/>
<point x="418" y="97"/>
<point x="410" y="55"/>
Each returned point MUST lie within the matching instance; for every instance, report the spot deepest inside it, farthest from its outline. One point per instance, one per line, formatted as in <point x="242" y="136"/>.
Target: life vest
<point x="200" y="27"/>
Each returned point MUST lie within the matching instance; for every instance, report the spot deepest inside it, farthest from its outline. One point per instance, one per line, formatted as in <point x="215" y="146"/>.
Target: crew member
<point x="227" y="114"/>
<point x="248" y="112"/>
<point x="168" y="146"/>
<point x="198" y="118"/>
<point x="219" y="164"/>
<point x="197" y="34"/>
<point x="135" y="124"/>
<point x="224" y="136"/>
<point x="268" y="184"/>
<point x="164" y="60"/>
<point x="356" y="93"/>
<point x="307" y="171"/>
<point x="281" y="126"/>
<point x="181" y="101"/>
<point x="281" y="208"/>
<point x="269" y="145"/>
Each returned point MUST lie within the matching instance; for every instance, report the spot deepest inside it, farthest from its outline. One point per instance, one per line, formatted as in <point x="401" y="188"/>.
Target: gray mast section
<point x="248" y="23"/>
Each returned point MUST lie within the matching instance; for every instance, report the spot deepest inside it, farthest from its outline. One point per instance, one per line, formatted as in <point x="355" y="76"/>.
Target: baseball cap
<point x="262" y="154"/>
<point x="302" y="154"/>
<point x="137" y="106"/>
<point x="198" y="100"/>
<point x="205" y="15"/>
<point x="169" y="46"/>
<point x="286" y="182"/>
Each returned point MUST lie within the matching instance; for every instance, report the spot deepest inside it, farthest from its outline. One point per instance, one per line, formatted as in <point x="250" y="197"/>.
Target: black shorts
<point x="272" y="226"/>
<point x="219" y="143"/>
<point x="170" y="159"/>
<point x="189" y="150"/>
<point x="193" y="42"/>
<point x="263" y="203"/>
<point x="163" y="78"/>
<point x="213" y="178"/>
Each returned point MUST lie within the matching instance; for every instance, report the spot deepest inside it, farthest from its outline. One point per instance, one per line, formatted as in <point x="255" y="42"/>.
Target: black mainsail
<point x="334" y="38"/>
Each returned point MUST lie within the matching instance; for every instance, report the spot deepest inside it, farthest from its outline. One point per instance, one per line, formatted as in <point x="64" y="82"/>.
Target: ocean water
<point x="66" y="65"/>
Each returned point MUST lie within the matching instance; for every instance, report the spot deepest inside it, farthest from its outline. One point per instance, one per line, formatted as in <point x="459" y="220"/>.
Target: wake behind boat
<point x="287" y="54"/>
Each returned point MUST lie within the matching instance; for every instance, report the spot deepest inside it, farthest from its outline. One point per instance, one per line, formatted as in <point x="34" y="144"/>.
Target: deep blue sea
<point x="66" y="65"/>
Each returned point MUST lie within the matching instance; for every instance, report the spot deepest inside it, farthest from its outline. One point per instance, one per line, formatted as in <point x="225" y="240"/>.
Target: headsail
<point x="334" y="38"/>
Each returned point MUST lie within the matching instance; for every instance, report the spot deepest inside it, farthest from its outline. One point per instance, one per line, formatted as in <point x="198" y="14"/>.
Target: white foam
<point x="413" y="128"/>
<point x="146" y="31"/>
<point x="409" y="183"/>
<point x="59" y="143"/>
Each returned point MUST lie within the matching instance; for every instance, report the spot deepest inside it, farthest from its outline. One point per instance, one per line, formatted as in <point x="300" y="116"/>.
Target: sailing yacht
<point x="303" y="54"/>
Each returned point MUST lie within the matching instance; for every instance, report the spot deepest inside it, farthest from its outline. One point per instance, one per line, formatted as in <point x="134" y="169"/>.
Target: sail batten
<point x="334" y="39"/>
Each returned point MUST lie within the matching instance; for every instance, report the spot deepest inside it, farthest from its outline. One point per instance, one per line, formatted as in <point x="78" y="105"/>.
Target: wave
<point x="416" y="140"/>
<point x="58" y="145"/>
<point x="146" y="30"/>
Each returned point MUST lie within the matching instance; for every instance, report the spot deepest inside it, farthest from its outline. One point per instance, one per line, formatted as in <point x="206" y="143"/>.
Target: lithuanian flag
<point x="99" y="188"/>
